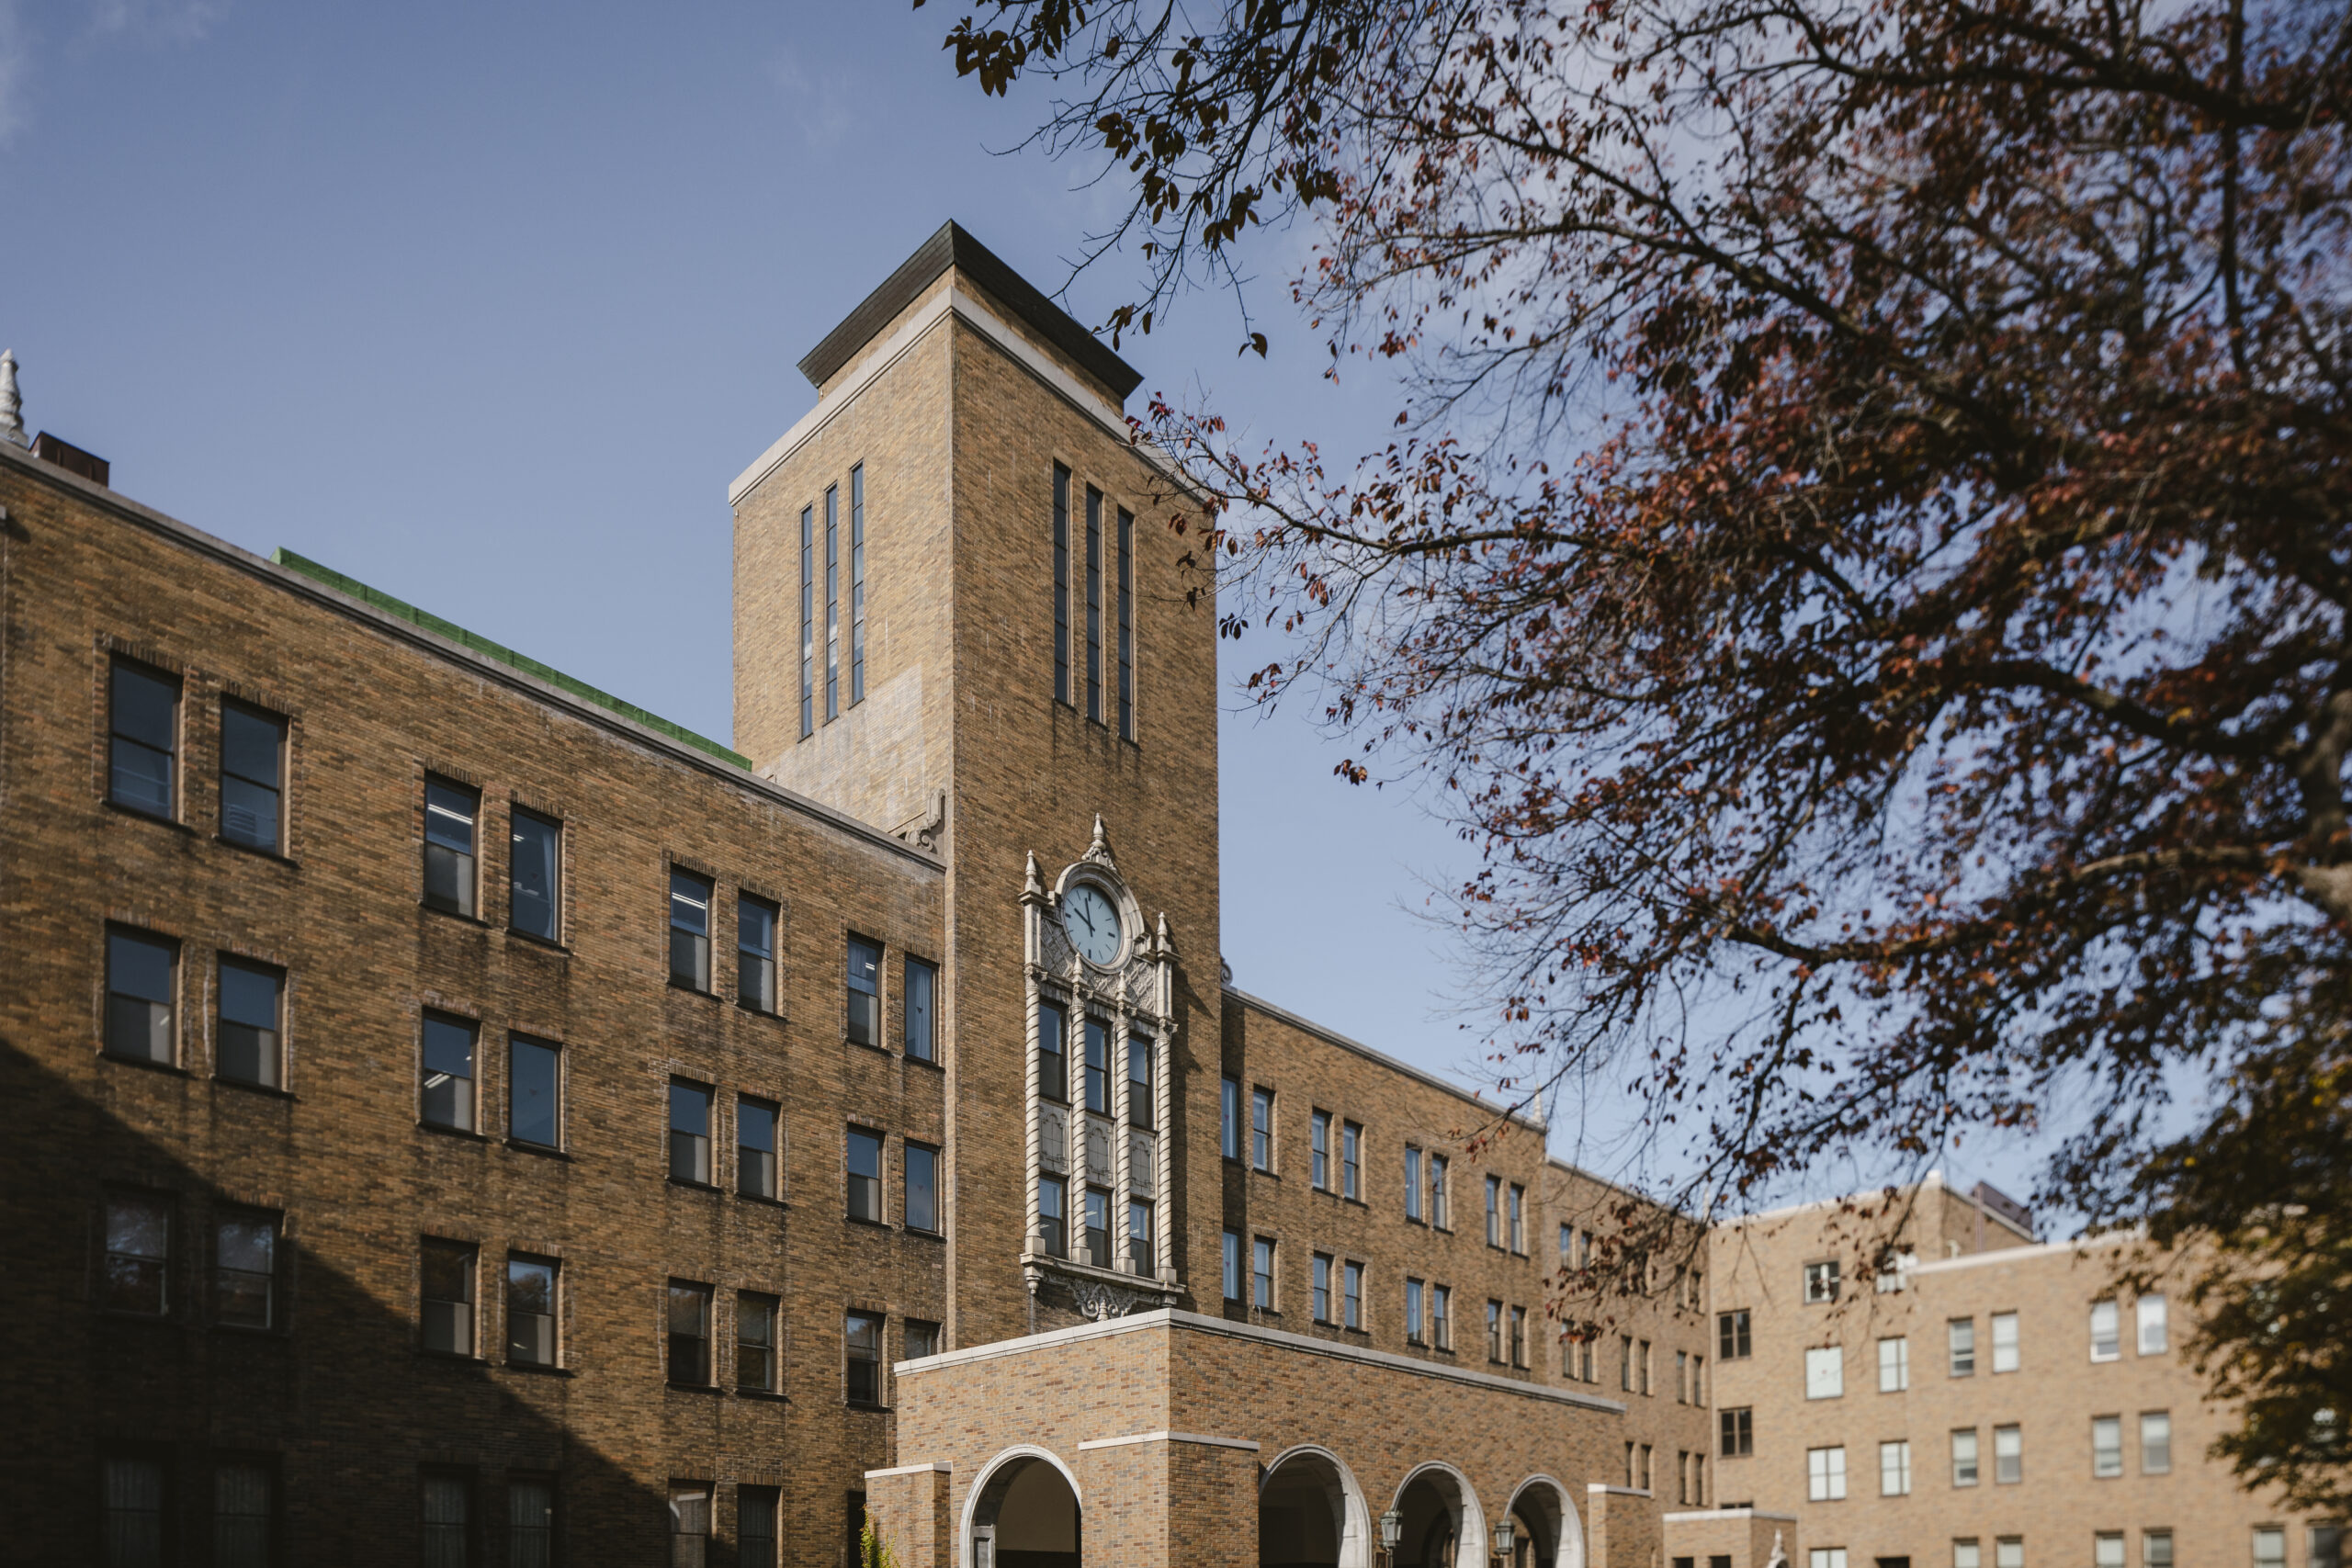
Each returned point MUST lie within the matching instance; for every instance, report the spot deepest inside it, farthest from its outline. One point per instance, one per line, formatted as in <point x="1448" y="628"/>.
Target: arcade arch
<point x="1442" y="1526"/>
<point x="1024" y="1513"/>
<point x="1546" y="1531"/>
<point x="1311" y="1514"/>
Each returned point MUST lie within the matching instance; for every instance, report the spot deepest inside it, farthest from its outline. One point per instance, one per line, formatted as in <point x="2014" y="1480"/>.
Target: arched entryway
<point x="1023" y="1513"/>
<point x="1546" y="1532"/>
<point x="1442" y="1526"/>
<point x="1311" y="1514"/>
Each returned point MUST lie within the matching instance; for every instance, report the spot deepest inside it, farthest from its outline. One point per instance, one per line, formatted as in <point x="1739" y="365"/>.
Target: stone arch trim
<point x="1355" y="1520"/>
<point x="1570" y="1552"/>
<point x="1471" y="1547"/>
<point x="987" y="1473"/>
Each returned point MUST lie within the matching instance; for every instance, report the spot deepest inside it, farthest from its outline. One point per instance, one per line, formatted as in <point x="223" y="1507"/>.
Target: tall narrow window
<point x="243" y="1512"/>
<point x="1734" y="1336"/>
<point x="864" y="1335"/>
<point x="2107" y="1447"/>
<point x="1228" y="1107"/>
<point x="446" y="1292"/>
<point x="1098" y="1227"/>
<point x="2155" y="1442"/>
<point x="143" y="749"/>
<point x="2155" y="1552"/>
<point x="1053" y="1052"/>
<point x="1961" y="1332"/>
<point x="689" y="1525"/>
<point x="1351" y="1161"/>
<point x="832" y="602"/>
<point x="2005" y="1342"/>
<point x="689" y="1334"/>
<point x="530" y="1524"/>
<point x="1412" y="1182"/>
<point x="1262" y="1129"/>
<point x="1319" y="1288"/>
<point x="1413" y="1325"/>
<point x="1824" y="1372"/>
<point x="244" y="1271"/>
<point x="755" y="1511"/>
<point x="447" y="1521"/>
<point x="1142" y="1256"/>
<point x="1062" y="584"/>
<point x="690" y="1133"/>
<point x="756" y="953"/>
<point x="755" y="1365"/>
<point x="1736" y="1430"/>
<point x="1438" y="1192"/>
<point x="1518" y="1337"/>
<point x="1352" y="1294"/>
<point x="1140" y="1096"/>
<point x="1519" y="1219"/>
<point x="251" y="1000"/>
<point x="858" y="584"/>
<point x="1894" y="1470"/>
<point x="689" y="930"/>
<point x="530" y="1312"/>
<point x="1825" y="1474"/>
<point x="1319" y="1151"/>
<point x="2107" y="1331"/>
<point x="1093" y="603"/>
<point x="138" y="1253"/>
<point x="1894" y="1365"/>
<point x="450" y="812"/>
<point x="1494" y="1331"/>
<point x="1261" y="1274"/>
<point x="864" y="992"/>
<point x="922" y="1002"/>
<point x="534" y="875"/>
<point x="1494" y="1211"/>
<point x="252" y="777"/>
<point x="447" y="1092"/>
<point x="756" y="1148"/>
<point x="920" y="1190"/>
<point x="1126" y="625"/>
<point x="534" y="1092"/>
<point x="1052" y="1215"/>
<point x="141" y="982"/>
<point x="807" y="622"/>
<point x="1964" y="1459"/>
<point x="1098" y="1066"/>
<point x="1232" y="1261"/>
<point x="2150" y="1311"/>
<point x="132" y="1513"/>
<point x="2009" y="1455"/>
<point x="865" y="1175"/>
<point x="1441" y="1316"/>
<point x="2269" y="1547"/>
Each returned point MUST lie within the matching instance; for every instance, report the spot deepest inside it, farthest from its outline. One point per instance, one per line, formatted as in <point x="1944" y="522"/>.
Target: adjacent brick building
<point x="468" y="1119"/>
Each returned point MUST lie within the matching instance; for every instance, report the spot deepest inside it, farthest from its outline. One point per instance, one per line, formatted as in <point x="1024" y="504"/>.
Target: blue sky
<point x="485" y="305"/>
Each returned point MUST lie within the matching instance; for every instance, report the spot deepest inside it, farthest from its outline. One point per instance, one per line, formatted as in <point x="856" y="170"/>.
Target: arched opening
<point x="1442" y="1524"/>
<point x="1545" y="1531"/>
<point x="1310" y="1514"/>
<point x="1024" y="1515"/>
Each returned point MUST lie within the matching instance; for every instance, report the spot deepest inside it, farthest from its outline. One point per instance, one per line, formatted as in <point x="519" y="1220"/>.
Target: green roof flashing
<point x="503" y="655"/>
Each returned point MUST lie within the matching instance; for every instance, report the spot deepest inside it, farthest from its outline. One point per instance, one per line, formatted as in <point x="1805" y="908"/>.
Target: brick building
<point x="474" y="1122"/>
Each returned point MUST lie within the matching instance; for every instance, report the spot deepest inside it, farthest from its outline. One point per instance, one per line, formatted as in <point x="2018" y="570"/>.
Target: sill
<point x="1262" y="1170"/>
<point x="450" y="1358"/>
<point x="524" y="1146"/>
<point x="247" y="1330"/>
<point x="691" y="1185"/>
<point x="247" y="1085"/>
<point x="1355" y="1203"/>
<point x="862" y="1405"/>
<point x="880" y="1050"/>
<point x="453" y="915"/>
<point x="136" y="815"/>
<point x="765" y="1396"/>
<point x="870" y="1225"/>
<point x="172" y="1068"/>
<point x="762" y="1198"/>
<point x="678" y="984"/>
<point x="466" y="1133"/>
<point x="1440" y="1228"/>
<point x="921" y="1235"/>
<point x="936" y="1065"/>
<point x="258" y="851"/>
<point x="539" y="1368"/>
<point x="694" y="1388"/>
<point x="742" y="1006"/>
<point x="547" y="943"/>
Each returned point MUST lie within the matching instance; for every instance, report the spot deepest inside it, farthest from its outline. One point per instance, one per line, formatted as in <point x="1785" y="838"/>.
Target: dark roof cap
<point x="952" y="246"/>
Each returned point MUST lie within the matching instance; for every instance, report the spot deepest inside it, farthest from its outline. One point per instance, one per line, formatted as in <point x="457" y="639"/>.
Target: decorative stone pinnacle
<point x="1098" y="851"/>
<point x="12" y="423"/>
<point x="1034" y="885"/>
<point x="1167" y="944"/>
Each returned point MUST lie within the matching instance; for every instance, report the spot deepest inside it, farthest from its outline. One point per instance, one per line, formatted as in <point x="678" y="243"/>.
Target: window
<point x="1319" y="1151"/>
<point x="755" y="1346"/>
<point x="1319" y="1296"/>
<point x="252" y="777"/>
<point x="2009" y="1551"/>
<point x="756" y="1514"/>
<point x="530" y="1310"/>
<point x="2155" y="1551"/>
<point x="1098" y="1227"/>
<point x="2155" y="1442"/>
<point x="2150" y="1310"/>
<point x="921" y="1338"/>
<point x="446" y="1291"/>
<point x="1645" y="1366"/>
<point x="1494" y="1331"/>
<point x="2106" y="1332"/>
<point x="2009" y="1456"/>
<point x="450" y="811"/>
<point x="1142" y="1256"/>
<point x="689" y="931"/>
<point x="1142" y="1101"/>
<point x="142" y="983"/>
<point x="1098" y="1066"/>
<point x="1963" y="1457"/>
<point x="243" y="1509"/>
<point x="131" y="1517"/>
<point x="144" y="721"/>
<point x="1126" y="625"/>
<point x="921" y="1187"/>
<point x="1062" y="584"/>
<point x="1827" y="1557"/>
<point x="2323" y="1547"/>
<point x="864" y="992"/>
<point x="250" y="1049"/>
<point x="690" y="1133"/>
<point x="1518" y="1337"/>
<point x="1436" y="1192"/>
<point x="534" y="875"/>
<point x="832" y="602"/>
<point x="1820" y="1283"/>
<point x="533" y="1104"/>
<point x="1232" y="1264"/>
<point x="690" y="1521"/>
<point x="1625" y="1363"/>
<point x="1261" y="1275"/>
<point x="2107" y="1446"/>
<point x="1053" y="1052"/>
<point x="2005" y="1342"/>
<point x="755" y="952"/>
<point x="2269" y="1547"/>
<point x="446" y="1529"/>
<point x="858" y="584"/>
<point x="864" y="1330"/>
<point x="756" y="1168"/>
<point x="1413" y="1312"/>
<point x="1967" y="1554"/>
<point x="1052" y="1215"/>
<point x="1494" y="1211"/>
<point x="1961" y="1335"/>
<point x="1519" y="1219"/>
<point x="1825" y="1474"/>
<point x="1698" y="1380"/>
<point x="1262" y="1129"/>
<point x="1682" y="1377"/>
<point x="1229" y="1118"/>
<point x="530" y="1524"/>
<point x="808" y="621"/>
<point x="1733" y="1338"/>
<point x="920" y="1031"/>
<point x="1824" y="1372"/>
<point x="1351" y="1161"/>
<point x="138" y="1253"/>
<point x="1093" y="604"/>
<point x="689" y="1334"/>
<point x="1894" y="1365"/>
<point x="244" y="1269"/>
<point x="1736" y="1429"/>
<point x="865" y="1175"/>
<point x="1894" y="1470"/>
<point x="1441" y="1316"/>
<point x="448" y="1067"/>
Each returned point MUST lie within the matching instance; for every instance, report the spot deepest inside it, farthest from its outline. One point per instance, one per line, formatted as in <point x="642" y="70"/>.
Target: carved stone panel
<point x="1098" y="1150"/>
<point x="1140" y="1166"/>
<point x="1053" y="1138"/>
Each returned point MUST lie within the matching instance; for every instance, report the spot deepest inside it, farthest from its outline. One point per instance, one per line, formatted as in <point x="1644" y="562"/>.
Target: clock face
<point x="1092" y="924"/>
